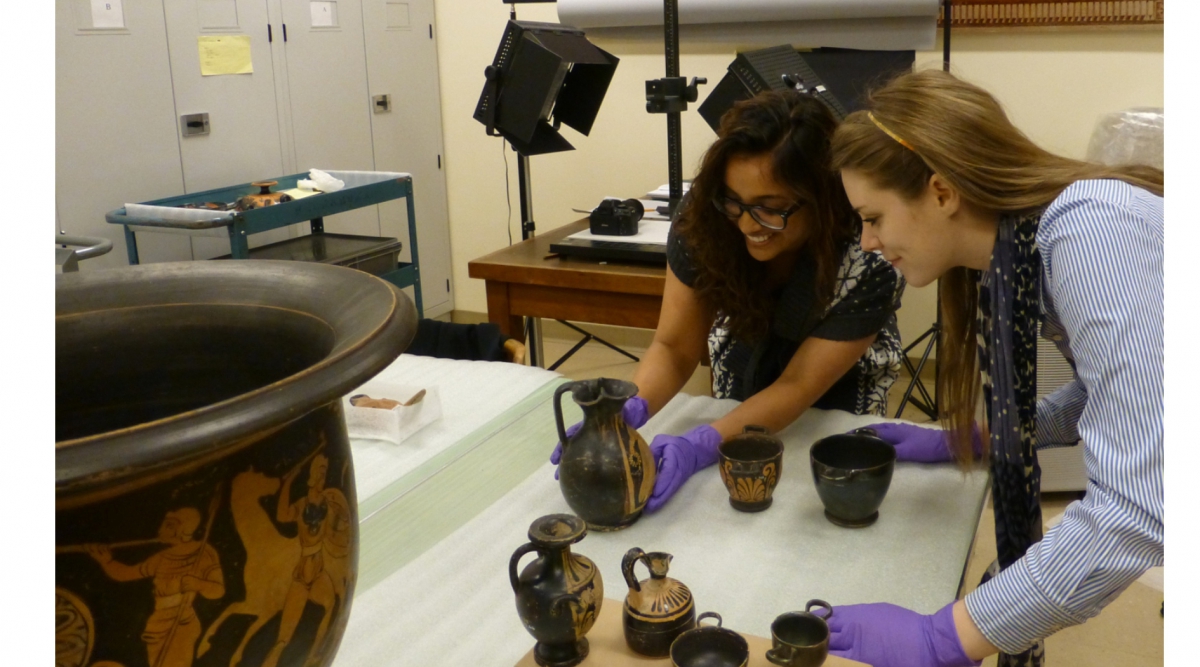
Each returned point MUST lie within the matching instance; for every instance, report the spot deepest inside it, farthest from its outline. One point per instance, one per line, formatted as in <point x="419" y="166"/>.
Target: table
<point x="452" y="604"/>
<point x="522" y="282"/>
<point x="401" y="488"/>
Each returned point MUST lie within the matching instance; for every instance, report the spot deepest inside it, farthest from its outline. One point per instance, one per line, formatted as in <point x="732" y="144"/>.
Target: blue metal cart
<point x="363" y="188"/>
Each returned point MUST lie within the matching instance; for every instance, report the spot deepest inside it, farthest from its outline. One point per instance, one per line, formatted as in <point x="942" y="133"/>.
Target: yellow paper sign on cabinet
<point x="225" y="54"/>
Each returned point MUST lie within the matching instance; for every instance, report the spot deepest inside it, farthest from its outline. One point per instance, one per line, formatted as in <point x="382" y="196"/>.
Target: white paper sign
<point x="107" y="14"/>
<point x="323" y="14"/>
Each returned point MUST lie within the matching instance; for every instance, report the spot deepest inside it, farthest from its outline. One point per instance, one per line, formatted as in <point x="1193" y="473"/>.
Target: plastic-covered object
<point x="1133" y="136"/>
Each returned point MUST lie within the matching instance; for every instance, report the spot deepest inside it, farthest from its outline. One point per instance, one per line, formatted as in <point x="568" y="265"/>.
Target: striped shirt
<point x="1101" y="244"/>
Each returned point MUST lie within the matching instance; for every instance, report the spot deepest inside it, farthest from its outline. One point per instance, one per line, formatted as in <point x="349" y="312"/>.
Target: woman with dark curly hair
<point x="765" y="270"/>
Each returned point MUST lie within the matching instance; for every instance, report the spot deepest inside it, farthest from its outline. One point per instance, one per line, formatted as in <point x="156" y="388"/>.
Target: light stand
<point x="929" y="404"/>
<point x="544" y="75"/>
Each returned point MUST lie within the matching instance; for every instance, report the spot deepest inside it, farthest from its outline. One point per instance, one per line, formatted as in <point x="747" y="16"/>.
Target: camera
<point x="615" y="217"/>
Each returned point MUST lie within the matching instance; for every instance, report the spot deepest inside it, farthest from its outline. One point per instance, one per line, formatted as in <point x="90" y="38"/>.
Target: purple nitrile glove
<point x="922" y="445"/>
<point x="636" y="413"/>
<point x="678" y="458"/>
<point x="885" y="635"/>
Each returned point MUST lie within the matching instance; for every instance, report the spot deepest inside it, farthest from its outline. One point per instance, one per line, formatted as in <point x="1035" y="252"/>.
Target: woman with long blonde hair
<point x="948" y="188"/>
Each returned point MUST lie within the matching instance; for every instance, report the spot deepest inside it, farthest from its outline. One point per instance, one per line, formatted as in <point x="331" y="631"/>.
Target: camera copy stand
<point x="670" y="95"/>
<point x="929" y="404"/>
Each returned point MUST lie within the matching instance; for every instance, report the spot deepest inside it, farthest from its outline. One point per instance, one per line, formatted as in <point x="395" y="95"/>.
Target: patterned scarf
<point x="1009" y="311"/>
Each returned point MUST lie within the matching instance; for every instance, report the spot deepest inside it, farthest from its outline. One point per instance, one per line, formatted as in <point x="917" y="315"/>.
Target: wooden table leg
<point x="499" y="312"/>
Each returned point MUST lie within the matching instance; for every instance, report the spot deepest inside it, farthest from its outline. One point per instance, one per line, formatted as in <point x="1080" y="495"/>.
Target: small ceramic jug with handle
<point x="658" y="609"/>
<point x="559" y="593"/>
<point x="607" y="472"/>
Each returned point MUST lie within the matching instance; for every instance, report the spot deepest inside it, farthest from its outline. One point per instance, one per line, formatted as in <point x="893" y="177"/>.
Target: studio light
<point x="544" y="75"/>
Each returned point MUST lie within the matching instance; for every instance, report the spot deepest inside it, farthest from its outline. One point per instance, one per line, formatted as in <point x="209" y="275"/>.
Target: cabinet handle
<point x="269" y="40"/>
<point x="284" y="32"/>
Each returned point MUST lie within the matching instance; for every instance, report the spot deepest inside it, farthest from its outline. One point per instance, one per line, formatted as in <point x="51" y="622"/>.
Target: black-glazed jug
<point x="606" y="472"/>
<point x="559" y="593"/>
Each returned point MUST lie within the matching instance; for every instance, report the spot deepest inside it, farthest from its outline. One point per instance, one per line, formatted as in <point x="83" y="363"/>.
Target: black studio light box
<point x="838" y="77"/>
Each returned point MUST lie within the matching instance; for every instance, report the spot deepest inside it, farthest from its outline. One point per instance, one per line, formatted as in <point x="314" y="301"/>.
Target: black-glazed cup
<point x="852" y="472"/>
<point x="750" y="466"/>
<point x="710" y="646"/>
<point x="800" y="638"/>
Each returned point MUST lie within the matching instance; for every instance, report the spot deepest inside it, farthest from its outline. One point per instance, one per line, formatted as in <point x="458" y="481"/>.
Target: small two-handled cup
<point x="750" y="465"/>
<point x="710" y="646"/>
<point x="800" y="638"/>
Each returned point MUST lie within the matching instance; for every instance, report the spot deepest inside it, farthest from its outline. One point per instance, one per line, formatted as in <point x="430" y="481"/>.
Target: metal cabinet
<point x="121" y="94"/>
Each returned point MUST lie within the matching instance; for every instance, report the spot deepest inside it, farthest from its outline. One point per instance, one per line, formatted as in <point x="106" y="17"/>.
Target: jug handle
<point x="562" y="601"/>
<point x="558" y="416"/>
<point x="512" y="563"/>
<point x="631" y="558"/>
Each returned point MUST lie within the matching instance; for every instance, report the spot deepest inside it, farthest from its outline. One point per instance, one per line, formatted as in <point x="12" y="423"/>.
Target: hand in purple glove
<point x="922" y="445"/>
<point x="885" y="635"/>
<point x="678" y="458"/>
<point x="636" y="413"/>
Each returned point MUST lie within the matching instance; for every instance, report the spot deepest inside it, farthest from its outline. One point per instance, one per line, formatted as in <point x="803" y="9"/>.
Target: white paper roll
<point x="888" y="25"/>
<point x="629" y="13"/>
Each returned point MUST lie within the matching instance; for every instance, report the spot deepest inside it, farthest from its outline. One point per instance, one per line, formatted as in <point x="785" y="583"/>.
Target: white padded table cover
<point x="453" y="605"/>
<point x="472" y="393"/>
<point x="402" y="488"/>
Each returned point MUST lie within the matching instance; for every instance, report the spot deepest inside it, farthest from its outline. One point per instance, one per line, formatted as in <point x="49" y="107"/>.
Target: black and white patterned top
<point x="865" y="302"/>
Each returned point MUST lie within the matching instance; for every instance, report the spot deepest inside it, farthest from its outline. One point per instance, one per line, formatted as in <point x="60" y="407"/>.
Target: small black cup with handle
<point x="800" y="638"/>
<point x="710" y="646"/>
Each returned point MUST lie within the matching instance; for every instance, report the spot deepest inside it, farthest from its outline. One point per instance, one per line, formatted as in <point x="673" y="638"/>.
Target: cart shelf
<point x="363" y="188"/>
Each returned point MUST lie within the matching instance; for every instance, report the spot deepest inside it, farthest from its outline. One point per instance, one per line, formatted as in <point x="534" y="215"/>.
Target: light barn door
<point x="402" y="64"/>
<point x="327" y="91"/>
<point x="210" y="40"/>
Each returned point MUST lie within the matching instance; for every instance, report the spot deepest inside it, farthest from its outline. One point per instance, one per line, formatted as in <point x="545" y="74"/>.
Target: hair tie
<point x="890" y="133"/>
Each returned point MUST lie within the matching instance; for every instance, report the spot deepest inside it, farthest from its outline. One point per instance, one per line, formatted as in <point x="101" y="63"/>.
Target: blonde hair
<point x="927" y="122"/>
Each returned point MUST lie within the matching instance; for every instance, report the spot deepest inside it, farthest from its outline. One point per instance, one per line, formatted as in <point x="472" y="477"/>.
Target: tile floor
<point x="1129" y="632"/>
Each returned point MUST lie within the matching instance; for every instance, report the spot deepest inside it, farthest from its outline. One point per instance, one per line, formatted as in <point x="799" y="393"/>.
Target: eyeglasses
<point x="771" y="218"/>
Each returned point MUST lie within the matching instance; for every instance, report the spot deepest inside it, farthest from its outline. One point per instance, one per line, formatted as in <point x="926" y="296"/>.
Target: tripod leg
<point x="929" y="407"/>
<point x="570" y="352"/>
<point x="598" y="339"/>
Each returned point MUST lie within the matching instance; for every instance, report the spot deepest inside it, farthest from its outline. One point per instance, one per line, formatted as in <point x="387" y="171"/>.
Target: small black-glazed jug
<point x="559" y="593"/>
<point x="607" y="472"/>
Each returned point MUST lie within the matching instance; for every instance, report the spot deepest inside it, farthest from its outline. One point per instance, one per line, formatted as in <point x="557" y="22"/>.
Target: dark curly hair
<point x="794" y="129"/>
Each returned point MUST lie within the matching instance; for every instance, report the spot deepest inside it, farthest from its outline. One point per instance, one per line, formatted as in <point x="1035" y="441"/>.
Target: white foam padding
<point x="453" y="604"/>
<point x="470" y="393"/>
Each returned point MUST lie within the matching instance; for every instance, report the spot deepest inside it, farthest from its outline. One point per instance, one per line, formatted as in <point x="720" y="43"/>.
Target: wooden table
<point x="527" y="280"/>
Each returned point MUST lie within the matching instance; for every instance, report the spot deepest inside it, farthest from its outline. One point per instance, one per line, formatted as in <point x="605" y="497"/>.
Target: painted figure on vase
<point x="186" y="568"/>
<point x="323" y="518"/>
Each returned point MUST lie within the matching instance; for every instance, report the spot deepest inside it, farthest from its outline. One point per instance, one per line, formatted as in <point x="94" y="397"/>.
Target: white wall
<point x="1054" y="85"/>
